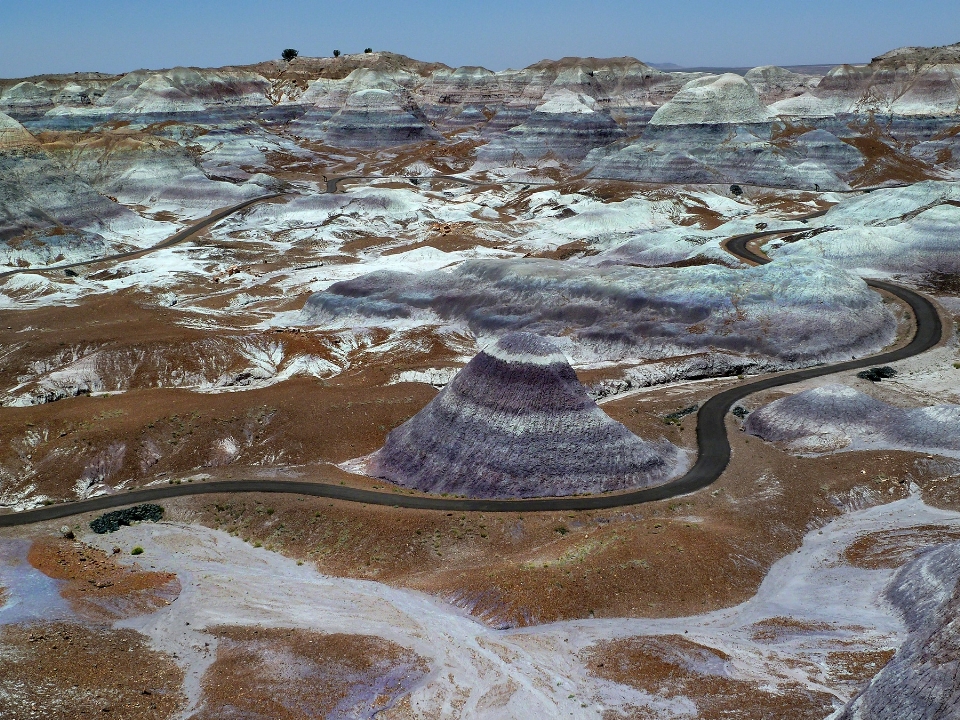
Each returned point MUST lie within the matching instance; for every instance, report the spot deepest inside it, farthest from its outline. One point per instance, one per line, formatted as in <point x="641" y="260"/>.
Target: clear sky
<point x="53" y="36"/>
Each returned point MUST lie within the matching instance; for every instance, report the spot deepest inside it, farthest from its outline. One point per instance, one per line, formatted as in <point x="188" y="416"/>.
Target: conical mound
<point x="13" y="136"/>
<point x="516" y="422"/>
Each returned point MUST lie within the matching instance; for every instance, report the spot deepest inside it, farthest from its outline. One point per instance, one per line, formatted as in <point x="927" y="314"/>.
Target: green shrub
<point x="111" y="521"/>
<point x="137" y="551"/>
<point x="676" y="418"/>
<point x="877" y="374"/>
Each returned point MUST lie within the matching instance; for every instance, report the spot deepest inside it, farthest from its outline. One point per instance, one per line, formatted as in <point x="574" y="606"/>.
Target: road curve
<point x="174" y="239"/>
<point x="333" y="184"/>
<point x="712" y="443"/>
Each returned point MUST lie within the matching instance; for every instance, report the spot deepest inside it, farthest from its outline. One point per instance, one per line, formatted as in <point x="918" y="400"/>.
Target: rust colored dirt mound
<point x="96" y="586"/>
<point x="338" y="674"/>
<point x="61" y="671"/>
<point x="673" y="666"/>
<point x="892" y="548"/>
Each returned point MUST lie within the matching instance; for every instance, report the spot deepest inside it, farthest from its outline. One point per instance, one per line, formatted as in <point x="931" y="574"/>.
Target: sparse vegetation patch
<point x="111" y="521"/>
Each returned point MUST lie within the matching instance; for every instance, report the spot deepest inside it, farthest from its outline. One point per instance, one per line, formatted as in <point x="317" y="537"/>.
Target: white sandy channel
<point x="479" y="672"/>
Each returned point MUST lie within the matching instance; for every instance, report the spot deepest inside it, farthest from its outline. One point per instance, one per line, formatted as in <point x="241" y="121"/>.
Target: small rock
<point x="66" y="532"/>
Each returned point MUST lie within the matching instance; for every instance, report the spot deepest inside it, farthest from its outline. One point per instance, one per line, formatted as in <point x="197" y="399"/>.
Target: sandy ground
<point x="814" y="631"/>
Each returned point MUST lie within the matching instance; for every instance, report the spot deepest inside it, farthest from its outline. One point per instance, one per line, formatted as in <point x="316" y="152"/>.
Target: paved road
<point x="175" y="239"/>
<point x="333" y="184"/>
<point x="712" y="442"/>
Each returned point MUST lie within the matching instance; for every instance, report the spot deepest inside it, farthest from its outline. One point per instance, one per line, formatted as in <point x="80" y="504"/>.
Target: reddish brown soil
<point x="790" y="206"/>
<point x="304" y="69"/>
<point x="776" y="628"/>
<point x="884" y="163"/>
<point x="450" y="158"/>
<point x="577" y="248"/>
<point x="351" y="674"/>
<point x="97" y="586"/>
<point x="941" y="283"/>
<point x="666" y="666"/>
<point x="143" y="434"/>
<point x="703" y="217"/>
<point x="151" y="432"/>
<point x="893" y="548"/>
<point x="366" y="242"/>
<point x="61" y="671"/>
<point x="857" y="666"/>
<point x="446" y="242"/>
<point x="786" y="131"/>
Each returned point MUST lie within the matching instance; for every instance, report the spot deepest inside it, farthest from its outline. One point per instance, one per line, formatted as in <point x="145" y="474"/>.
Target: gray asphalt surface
<point x="712" y="442"/>
<point x="175" y="239"/>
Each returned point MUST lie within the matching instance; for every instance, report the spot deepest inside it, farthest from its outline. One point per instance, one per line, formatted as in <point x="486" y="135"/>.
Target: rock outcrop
<point x="835" y="416"/>
<point x="372" y="118"/>
<point x="13" y="136"/>
<point x="713" y="100"/>
<point x="923" y="82"/>
<point x="568" y="125"/>
<point x="691" y="127"/>
<point x="715" y="130"/>
<point x="774" y="83"/>
<point x="922" y="681"/>
<point x="910" y="229"/>
<point x="802" y="107"/>
<point x="516" y="422"/>
<point x="618" y="312"/>
<point x="47" y="212"/>
<point x="723" y="154"/>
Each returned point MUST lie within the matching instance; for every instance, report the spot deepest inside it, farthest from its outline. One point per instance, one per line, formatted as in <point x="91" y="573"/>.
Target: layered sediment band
<point x="516" y="422"/>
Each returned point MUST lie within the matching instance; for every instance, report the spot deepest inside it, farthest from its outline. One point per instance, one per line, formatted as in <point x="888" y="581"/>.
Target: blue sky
<point x="42" y="36"/>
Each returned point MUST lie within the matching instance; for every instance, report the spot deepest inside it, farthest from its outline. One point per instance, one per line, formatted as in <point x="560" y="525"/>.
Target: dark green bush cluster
<point x="740" y="412"/>
<point x="674" y="418"/>
<point x="877" y="374"/>
<point x="112" y="521"/>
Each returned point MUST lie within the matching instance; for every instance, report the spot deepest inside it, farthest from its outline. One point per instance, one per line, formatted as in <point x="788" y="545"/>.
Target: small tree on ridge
<point x="289" y="54"/>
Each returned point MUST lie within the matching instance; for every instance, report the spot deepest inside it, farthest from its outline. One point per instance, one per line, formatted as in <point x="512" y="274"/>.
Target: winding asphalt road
<point x="175" y="239"/>
<point x="333" y="184"/>
<point x="712" y="443"/>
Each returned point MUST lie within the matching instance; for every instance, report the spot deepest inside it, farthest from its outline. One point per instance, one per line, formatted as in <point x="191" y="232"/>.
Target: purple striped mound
<point x="514" y="423"/>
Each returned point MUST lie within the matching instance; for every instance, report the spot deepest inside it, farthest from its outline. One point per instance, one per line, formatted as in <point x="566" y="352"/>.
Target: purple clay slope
<point x="922" y="681"/>
<point x="514" y="423"/>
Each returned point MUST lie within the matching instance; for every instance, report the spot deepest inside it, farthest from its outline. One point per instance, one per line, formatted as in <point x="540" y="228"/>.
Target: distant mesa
<point x="373" y="118"/>
<point x="802" y="106"/>
<point x="514" y="423"/>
